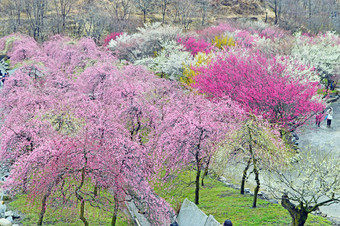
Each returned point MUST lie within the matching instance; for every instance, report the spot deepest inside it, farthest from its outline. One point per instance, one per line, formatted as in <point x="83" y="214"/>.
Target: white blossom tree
<point x="311" y="181"/>
<point x="321" y="52"/>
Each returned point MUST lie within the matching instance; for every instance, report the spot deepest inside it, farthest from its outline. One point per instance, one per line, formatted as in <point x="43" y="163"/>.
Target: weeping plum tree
<point x="192" y="130"/>
<point x="68" y="128"/>
<point x="75" y="121"/>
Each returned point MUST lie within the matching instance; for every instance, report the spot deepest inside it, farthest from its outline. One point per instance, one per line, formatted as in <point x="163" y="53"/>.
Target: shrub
<point x="223" y="41"/>
<point x="321" y="52"/>
<point x="144" y="43"/>
<point x="169" y="61"/>
<point x="110" y="37"/>
<point x="189" y="70"/>
<point x="195" y="46"/>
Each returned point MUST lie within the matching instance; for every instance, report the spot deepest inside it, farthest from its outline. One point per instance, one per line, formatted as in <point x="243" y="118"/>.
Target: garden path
<point x="320" y="138"/>
<point x="325" y="140"/>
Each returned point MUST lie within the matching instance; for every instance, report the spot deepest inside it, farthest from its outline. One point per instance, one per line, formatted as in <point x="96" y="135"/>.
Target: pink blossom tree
<point x="191" y="131"/>
<point x="68" y="129"/>
<point x="74" y="122"/>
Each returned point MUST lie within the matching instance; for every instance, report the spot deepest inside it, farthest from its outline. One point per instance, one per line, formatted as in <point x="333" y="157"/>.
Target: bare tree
<point x="204" y="6"/>
<point x="12" y="9"/>
<point x="183" y="12"/>
<point x="276" y="5"/>
<point x="121" y="9"/>
<point x="121" y="15"/>
<point x="62" y="10"/>
<point x="36" y="14"/>
<point x="145" y="6"/>
<point x="94" y="21"/>
<point x="164" y="4"/>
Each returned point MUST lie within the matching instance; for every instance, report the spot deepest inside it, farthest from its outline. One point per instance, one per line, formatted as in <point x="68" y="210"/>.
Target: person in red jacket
<point x="318" y="118"/>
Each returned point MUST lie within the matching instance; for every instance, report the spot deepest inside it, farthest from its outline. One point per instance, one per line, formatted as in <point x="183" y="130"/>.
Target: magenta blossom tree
<point x="195" y="46"/>
<point x="262" y="86"/>
<point x="110" y="37"/>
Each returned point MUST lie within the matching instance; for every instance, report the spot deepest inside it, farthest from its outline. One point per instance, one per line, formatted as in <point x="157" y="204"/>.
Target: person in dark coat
<point x="227" y="223"/>
<point x="3" y="78"/>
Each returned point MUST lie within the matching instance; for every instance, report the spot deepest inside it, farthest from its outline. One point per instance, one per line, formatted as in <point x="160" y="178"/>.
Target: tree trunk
<point x="205" y="173"/>
<point x="82" y="211"/>
<point x="43" y="207"/>
<point x="256" y="172"/>
<point x="310" y="14"/>
<point x="198" y="165"/>
<point x="115" y="213"/>
<point x="163" y="17"/>
<point x="265" y="8"/>
<point x="95" y="191"/>
<point x="299" y="216"/>
<point x="245" y="176"/>
<point x="81" y="199"/>
<point x="197" y="190"/>
<point x="257" y="188"/>
<point x="275" y="11"/>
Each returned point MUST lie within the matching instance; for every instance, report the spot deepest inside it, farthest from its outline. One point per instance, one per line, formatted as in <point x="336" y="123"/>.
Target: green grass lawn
<point x="226" y="203"/>
<point x="215" y="198"/>
<point x="63" y="216"/>
<point x="323" y="91"/>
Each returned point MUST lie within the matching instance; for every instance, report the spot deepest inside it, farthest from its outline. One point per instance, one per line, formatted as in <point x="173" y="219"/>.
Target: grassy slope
<point x="65" y="216"/>
<point x="215" y="198"/>
<point x="226" y="203"/>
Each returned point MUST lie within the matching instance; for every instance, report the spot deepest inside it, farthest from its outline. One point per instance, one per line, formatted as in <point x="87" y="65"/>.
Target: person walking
<point x="3" y="78"/>
<point x="329" y="117"/>
<point x="318" y="118"/>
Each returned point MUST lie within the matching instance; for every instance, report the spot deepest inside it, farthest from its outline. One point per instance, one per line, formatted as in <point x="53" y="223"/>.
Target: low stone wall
<point x="190" y="215"/>
<point x="138" y="219"/>
<point x="7" y="217"/>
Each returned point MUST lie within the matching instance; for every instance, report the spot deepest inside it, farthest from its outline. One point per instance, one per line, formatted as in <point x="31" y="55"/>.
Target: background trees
<point x="62" y="9"/>
<point x="145" y="6"/>
<point x="36" y="13"/>
<point x="313" y="14"/>
<point x="41" y="18"/>
<point x="12" y="9"/>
